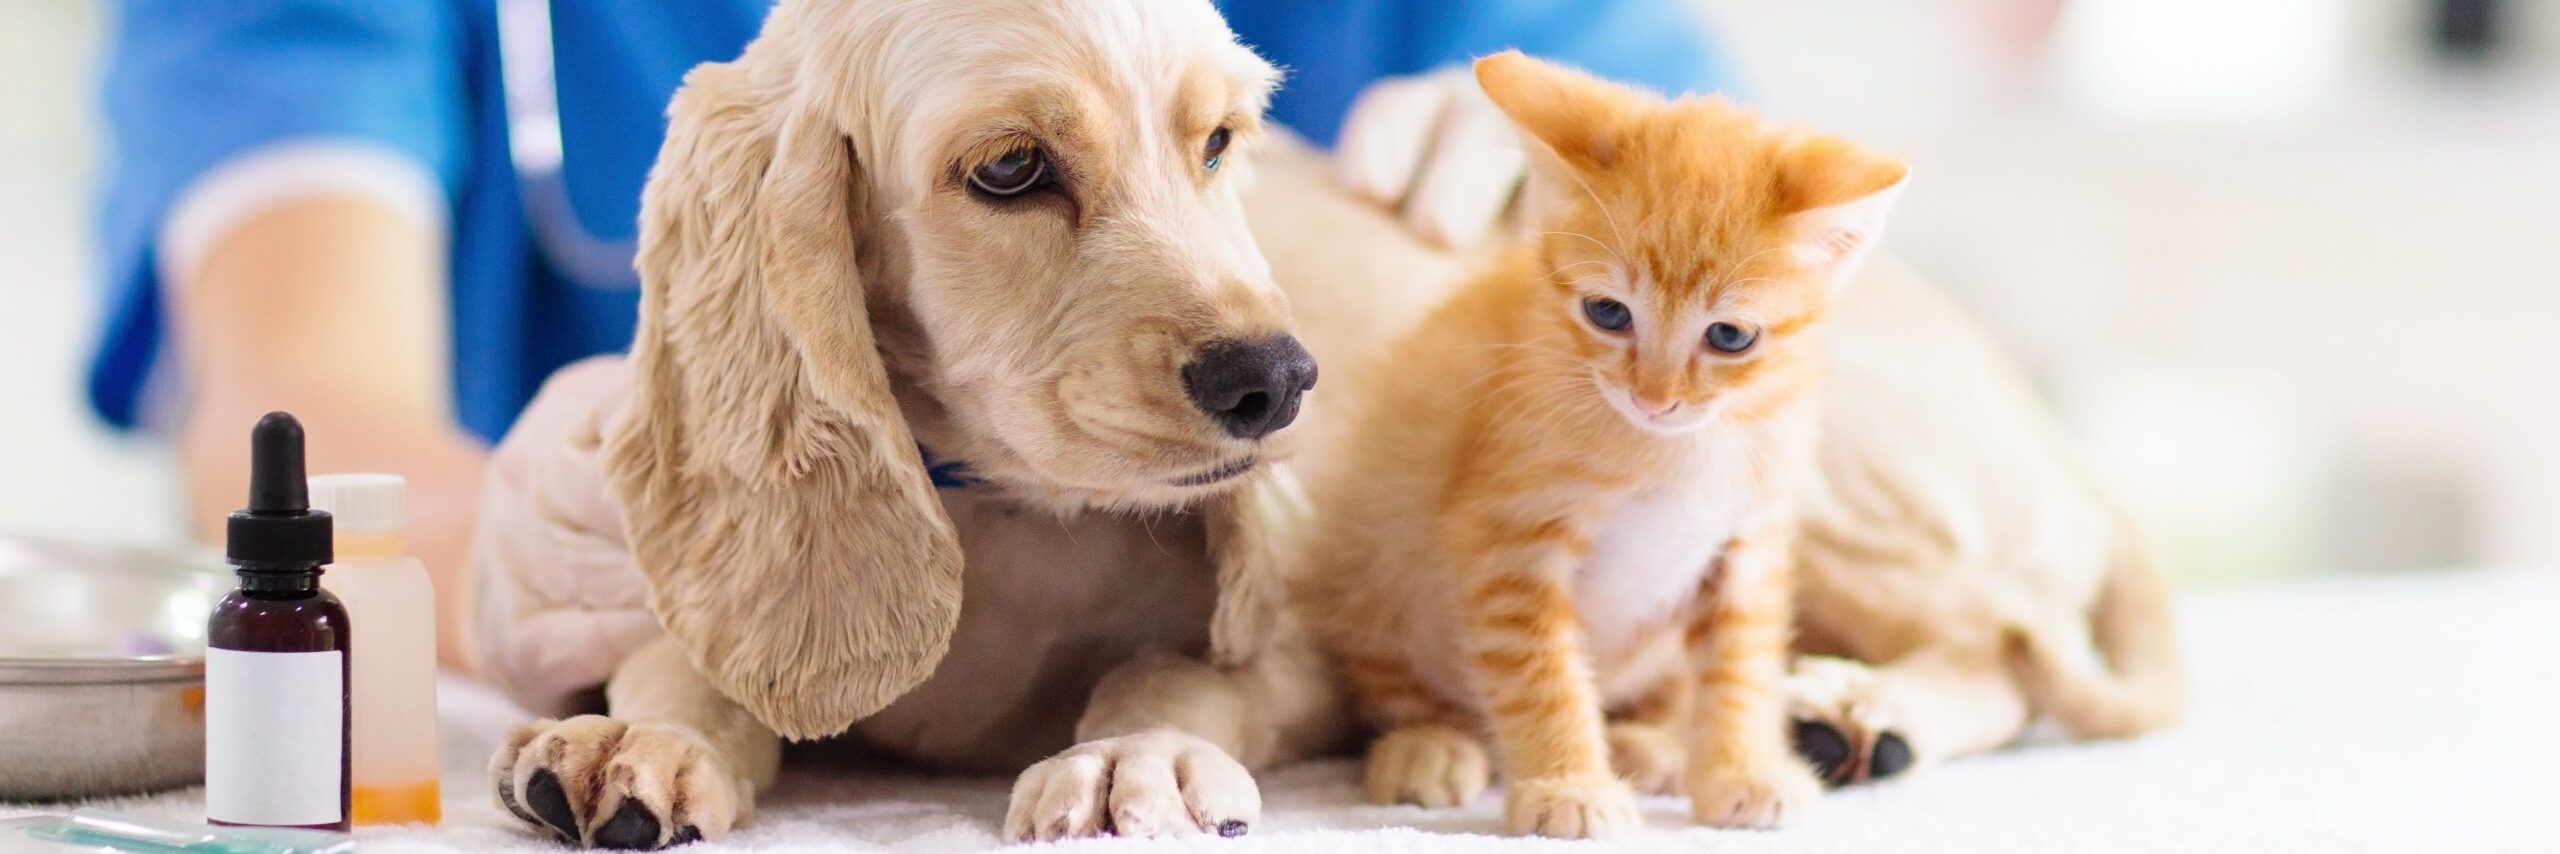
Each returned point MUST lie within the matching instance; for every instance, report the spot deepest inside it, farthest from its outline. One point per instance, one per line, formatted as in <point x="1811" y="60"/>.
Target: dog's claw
<point x="1153" y="783"/>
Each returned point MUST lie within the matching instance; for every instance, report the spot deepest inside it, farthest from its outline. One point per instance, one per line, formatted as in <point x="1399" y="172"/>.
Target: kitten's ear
<point x="1836" y="196"/>
<point x="1572" y="113"/>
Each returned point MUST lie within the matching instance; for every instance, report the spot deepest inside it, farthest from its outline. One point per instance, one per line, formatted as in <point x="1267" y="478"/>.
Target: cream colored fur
<point x="1957" y="556"/>
<point x="821" y="293"/>
<point x="820" y="297"/>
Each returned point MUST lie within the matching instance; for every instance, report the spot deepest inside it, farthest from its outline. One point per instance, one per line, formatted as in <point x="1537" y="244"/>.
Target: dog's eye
<point x="1013" y="174"/>
<point x="1730" y="339"/>
<point x="1215" y="149"/>
<point x="1607" y="313"/>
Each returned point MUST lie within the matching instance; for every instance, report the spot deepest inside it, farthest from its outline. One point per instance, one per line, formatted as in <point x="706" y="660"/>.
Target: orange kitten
<point x="1566" y="521"/>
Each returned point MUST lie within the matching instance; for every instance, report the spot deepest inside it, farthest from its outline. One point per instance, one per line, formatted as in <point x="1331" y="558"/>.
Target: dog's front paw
<point x="1840" y="726"/>
<point x="1763" y="794"/>
<point x="607" y="783"/>
<point x="1431" y="766"/>
<point x="1583" y="806"/>
<point x="1155" y="783"/>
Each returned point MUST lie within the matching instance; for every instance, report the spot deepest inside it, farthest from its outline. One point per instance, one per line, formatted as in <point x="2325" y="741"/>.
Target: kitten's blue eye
<point x="1728" y="338"/>
<point x="1215" y="149"/>
<point x="1607" y="313"/>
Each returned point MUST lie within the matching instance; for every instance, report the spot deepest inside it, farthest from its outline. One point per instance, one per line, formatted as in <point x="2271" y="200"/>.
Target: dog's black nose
<point x="1251" y="387"/>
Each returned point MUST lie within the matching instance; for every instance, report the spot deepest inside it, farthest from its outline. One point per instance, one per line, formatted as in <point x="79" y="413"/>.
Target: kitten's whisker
<point x="1527" y="344"/>
<point x="1550" y="400"/>
<point x="1551" y="274"/>
<point x="1578" y="280"/>
<point x="1755" y="256"/>
<point x="1512" y="382"/>
<point x="1604" y="247"/>
<point x="1606" y="215"/>
<point x="1529" y="388"/>
<point x="1611" y="251"/>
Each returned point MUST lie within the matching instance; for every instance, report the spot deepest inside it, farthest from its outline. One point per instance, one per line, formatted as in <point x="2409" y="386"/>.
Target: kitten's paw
<point x="1159" y="783"/>
<point x="606" y="783"/>
<point x="1763" y="795"/>
<point x="1592" y="806"/>
<point x="1840" y="726"/>
<point x="1650" y="756"/>
<point x="1430" y="766"/>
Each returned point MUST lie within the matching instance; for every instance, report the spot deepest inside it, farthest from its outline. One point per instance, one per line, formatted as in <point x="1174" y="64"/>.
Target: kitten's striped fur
<point x="1519" y="547"/>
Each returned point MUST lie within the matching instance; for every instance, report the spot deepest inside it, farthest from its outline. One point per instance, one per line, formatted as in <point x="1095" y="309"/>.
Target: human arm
<point x="332" y="307"/>
<point x="1424" y="142"/>
<point x="272" y="234"/>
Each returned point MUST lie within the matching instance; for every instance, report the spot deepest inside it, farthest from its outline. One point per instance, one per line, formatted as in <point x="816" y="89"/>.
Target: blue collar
<point x="946" y="474"/>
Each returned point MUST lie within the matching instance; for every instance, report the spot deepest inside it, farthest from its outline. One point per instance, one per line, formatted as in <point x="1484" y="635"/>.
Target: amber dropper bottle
<point x="275" y="670"/>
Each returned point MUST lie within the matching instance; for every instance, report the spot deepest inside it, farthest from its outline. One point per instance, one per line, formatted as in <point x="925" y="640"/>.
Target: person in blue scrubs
<point x="397" y="217"/>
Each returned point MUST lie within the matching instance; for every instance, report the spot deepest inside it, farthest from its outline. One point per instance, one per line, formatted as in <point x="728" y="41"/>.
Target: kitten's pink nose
<point x="1657" y="408"/>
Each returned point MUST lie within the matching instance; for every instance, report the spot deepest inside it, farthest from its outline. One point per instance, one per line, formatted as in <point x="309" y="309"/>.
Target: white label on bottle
<point x="274" y="737"/>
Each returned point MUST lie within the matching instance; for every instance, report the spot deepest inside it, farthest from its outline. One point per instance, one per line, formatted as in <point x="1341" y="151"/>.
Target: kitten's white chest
<point x="1653" y="551"/>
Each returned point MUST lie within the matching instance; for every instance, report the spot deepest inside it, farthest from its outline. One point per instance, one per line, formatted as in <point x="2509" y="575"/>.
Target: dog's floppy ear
<point x="1254" y="535"/>
<point x="773" y="495"/>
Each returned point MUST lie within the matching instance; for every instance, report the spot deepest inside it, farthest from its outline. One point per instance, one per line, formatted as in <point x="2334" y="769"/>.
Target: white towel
<point x="2389" y="714"/>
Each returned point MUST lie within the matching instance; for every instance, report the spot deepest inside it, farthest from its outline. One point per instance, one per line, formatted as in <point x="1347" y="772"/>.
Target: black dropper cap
<point x="278" y="532"/>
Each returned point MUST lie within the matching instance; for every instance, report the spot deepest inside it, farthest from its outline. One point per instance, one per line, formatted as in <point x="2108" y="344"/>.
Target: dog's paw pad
<point x="605" y="783"/>
<point x="550" y="803"/>
<point x="1892" y="755"/>
<point x="1826" y="749"/>
<point x="632" y="828"/>
<point x="1845" y="725"/>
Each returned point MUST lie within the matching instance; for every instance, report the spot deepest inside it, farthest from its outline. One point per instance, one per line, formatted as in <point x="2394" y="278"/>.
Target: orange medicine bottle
<point x="392" y="687"/>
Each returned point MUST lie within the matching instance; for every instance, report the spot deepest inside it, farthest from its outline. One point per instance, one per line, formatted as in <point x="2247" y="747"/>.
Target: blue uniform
<point x="192" y="84"/>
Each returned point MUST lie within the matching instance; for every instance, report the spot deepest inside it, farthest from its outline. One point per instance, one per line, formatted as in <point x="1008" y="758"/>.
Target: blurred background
<point x="2287" y="266"/>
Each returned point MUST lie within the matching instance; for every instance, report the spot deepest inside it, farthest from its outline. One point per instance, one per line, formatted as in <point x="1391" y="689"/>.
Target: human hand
<point x="1436" y="151"/>
<point x="561" y="599"/>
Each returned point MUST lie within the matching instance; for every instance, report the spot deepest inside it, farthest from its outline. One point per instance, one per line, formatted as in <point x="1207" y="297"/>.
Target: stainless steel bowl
<point x="101" y="668"/>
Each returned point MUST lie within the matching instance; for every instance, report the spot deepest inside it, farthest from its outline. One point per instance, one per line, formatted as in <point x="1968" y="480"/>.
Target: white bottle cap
<point x="363" y="503"/>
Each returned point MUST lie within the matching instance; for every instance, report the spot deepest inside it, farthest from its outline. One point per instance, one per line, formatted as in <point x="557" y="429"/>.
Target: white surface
<point x="2407" y="713"/>
<point x="2368" y="262"/>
